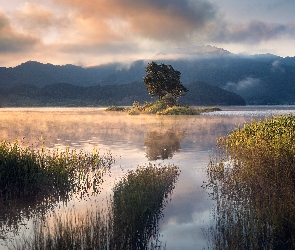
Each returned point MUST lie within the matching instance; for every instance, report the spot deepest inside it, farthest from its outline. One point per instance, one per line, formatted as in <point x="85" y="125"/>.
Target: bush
<point x="115" y="108"/>
<point x="179" y="110"/>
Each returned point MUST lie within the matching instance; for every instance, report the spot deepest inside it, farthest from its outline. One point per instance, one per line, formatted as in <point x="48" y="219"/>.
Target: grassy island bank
<point x="161" y="107"/>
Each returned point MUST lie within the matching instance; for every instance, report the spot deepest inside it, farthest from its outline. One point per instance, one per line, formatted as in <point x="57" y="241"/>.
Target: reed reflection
<point x="131" y="220"/>
<point x="162" y="145"/>
<point x="32" y="182"/>
<point x="252" y="181"/>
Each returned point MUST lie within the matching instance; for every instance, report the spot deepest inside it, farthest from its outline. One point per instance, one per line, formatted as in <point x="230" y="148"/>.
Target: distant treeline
<point x="258" y="79"/>
<point x="65" y="94"/>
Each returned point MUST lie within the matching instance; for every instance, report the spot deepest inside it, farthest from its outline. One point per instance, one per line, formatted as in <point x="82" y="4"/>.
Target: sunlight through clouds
<point x="101" y="31"/>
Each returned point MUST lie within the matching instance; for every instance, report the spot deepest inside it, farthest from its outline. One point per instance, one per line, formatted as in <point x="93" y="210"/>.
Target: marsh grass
<point x="115" y="108"/>
<point x="130" y="220"/>
<point x="27" y="172"/>
<point x="138" y="202"/>
<point x="33" y="181"/>
<point x="73" y="230"/>
<point x="162" y="107"/>
<point x="253" y="182"/>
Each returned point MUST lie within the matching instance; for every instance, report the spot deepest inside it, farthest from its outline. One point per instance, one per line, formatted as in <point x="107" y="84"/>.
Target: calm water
<point x="136" y="140"/>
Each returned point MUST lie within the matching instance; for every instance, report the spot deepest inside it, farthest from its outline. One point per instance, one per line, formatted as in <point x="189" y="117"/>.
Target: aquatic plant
<point x="130" y="220"/>
<point x="33" y="181"/>
<point x="27" y="172"/>
<point x="138" y="201"/>
<point x="253" y="181"/>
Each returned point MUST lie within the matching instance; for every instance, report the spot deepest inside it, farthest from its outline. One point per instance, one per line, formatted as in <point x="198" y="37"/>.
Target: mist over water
<point x="185" y="141"/>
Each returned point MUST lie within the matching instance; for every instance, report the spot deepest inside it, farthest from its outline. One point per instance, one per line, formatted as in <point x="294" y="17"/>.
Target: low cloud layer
<point x="245" y="84"/>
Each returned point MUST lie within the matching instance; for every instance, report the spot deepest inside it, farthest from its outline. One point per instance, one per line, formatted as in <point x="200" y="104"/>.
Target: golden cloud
<point x="12" y="40"/>
<point x="157" y="20"/>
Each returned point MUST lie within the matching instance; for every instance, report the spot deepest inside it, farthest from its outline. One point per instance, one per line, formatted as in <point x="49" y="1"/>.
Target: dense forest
<point x="65" y="94"/>
<point x="215" y="79"/>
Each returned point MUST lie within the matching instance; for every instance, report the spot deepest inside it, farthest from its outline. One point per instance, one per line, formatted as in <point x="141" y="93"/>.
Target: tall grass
<point x="33" y="181"/>
<point x="130" y="222"/>
<point x="253" y="183"/>
<point x="138" y="201"/>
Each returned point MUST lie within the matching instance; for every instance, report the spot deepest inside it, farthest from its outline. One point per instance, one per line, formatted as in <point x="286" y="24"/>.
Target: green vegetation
<point x="264" y="83"/>
<point x="138" y="201"/>
<point x="33" y="181"/>
<point x="253" y="183"/>
<point x="179" y="110"/>
<point x="203" y="94"/>
<point x="24" y="171"/>
<point x="62" y="94"/>
<point x="162" y="107"/>
<point x="162" y="80"/>
<point x="130" y="222"/>
<point x="115" y="108"/>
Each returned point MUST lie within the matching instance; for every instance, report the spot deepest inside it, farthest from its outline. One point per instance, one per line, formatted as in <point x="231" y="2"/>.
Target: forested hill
<point x="259" y="79"/>
<point x="65" y="94"/>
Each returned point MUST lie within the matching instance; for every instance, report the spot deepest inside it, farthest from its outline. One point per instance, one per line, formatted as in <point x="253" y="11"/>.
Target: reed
<point x="33" y="181"/>
<point x="253" y="182"/>
<point x="130" y="220"/>
<point x="138" y="202"/>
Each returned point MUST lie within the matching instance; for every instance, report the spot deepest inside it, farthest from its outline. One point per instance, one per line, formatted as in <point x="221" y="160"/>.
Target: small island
<point x="163" y="81"/>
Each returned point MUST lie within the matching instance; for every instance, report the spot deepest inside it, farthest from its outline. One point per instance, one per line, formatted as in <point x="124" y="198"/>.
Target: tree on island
<point x="164" y="81"/>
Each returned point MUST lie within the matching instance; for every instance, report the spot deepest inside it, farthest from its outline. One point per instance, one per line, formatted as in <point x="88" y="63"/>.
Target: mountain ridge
<point x="259" y="79"/>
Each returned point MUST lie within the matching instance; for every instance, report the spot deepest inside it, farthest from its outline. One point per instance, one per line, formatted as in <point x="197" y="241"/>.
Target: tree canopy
<point x="162" y="80"/>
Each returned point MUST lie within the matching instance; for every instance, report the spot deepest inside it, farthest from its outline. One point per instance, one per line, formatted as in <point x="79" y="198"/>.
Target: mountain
<point x="258" y="79"/>
<point x="40" y="74"/>
<point x="65" y="94"/>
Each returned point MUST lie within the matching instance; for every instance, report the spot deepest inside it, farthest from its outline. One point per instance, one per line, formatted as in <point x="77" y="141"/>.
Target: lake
<point x="185" y="141"/>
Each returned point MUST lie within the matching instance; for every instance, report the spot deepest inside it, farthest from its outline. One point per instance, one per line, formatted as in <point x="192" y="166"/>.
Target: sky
<point x="94" y="32"/>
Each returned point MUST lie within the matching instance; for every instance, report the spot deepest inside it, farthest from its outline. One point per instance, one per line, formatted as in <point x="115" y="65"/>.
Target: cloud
<point x="166" y="20"/>
<point x="39" y="19"/>
<point x="99" y="31"/>
<point x="254" y="32"/>
<point x="279" y="3"/>
<point x="13" y="41"/>
<point x="242" y="85"/>
<point x="276" y="66"/>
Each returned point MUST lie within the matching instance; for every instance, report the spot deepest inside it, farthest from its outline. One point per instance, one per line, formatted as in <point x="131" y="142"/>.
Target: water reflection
<point x="254" y="191"/>
<point x="130" y="222"/>
<point x="138" y="204"/>
<point x="124" y="136"/>
<point x="35" y="182"/>
<point x="162" y="144"/>
<point x="16" y="211"/>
